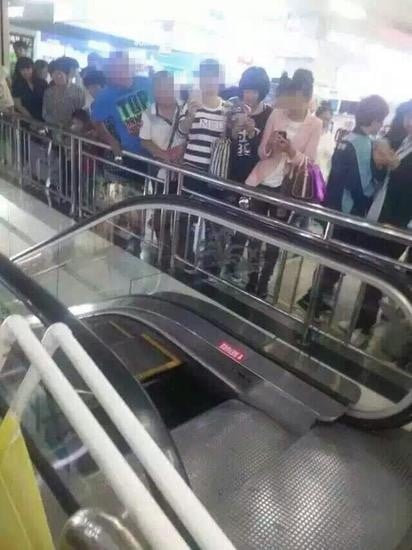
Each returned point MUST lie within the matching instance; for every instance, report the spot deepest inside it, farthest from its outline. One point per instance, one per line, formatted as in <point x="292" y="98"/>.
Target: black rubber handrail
<point x="377" y="271"/>
<point x="344" y="257"/>
<point x="49" y="310"/>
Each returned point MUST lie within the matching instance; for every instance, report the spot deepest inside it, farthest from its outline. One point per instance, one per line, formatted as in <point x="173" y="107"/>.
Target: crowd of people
<point x="366" y="176"/>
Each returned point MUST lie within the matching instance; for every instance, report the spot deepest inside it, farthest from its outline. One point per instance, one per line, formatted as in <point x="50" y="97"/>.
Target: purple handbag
<point x="318" y="183"/>
<point x="304" y="182"/>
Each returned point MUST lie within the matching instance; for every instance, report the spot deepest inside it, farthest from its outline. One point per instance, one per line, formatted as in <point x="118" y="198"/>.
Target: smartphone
<point x="282" y="134"/>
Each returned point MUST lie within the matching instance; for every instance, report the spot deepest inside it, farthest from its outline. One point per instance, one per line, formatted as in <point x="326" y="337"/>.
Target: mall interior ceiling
<point x="389" y="21"/>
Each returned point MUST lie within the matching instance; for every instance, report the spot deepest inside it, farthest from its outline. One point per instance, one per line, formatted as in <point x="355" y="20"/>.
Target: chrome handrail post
<point x="73" y="165"/>
<point x="176" y="223"/>
<point x="80" y="177"/>
<point x="163" y="217"/>
<point x="314" y="293"/>
<point x="18" y="152"/>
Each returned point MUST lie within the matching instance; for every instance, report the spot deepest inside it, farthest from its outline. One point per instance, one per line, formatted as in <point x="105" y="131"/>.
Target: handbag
<point x="304" y="182"/>
<point x="220" y="158"/>
<point x="220" y="152"/>
<point x="160" y="173"/>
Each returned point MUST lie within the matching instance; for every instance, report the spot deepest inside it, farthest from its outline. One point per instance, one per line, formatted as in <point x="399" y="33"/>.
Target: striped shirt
<point x="207" y="126"/>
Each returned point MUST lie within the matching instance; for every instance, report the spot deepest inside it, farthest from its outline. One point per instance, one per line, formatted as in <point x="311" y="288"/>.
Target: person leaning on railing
<point x="6" y="99"/>
<point x="160" y="137"/>
<point x="117" y="115"/>
<point x="351" y="188"/>
<point x="28" y="90"/>
<point x="392" y="205"/>
<point x="62" y="97"/>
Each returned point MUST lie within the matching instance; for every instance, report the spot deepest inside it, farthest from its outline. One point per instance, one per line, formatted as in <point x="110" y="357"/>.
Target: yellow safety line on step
<point x="171" y="364"/>
<point x="122" y="330"/>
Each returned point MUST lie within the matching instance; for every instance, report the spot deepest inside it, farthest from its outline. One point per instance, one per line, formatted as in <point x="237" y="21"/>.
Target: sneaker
<point x="359" y="338"/>
<point x="133" y="246"/>
<point x="233" y="276"/>
<point x="190" y="269"/>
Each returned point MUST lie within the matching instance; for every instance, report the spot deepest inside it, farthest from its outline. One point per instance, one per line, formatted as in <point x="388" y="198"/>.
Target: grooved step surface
<point x="335" y="488"/>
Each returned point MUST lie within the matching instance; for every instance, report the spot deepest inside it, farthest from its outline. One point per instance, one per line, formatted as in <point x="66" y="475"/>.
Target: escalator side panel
<point x="256" y="379"/>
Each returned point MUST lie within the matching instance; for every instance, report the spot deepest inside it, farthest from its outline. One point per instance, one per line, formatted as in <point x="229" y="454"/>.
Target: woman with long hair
<point x="291" y="134"/>
<point x="27" y="89"/>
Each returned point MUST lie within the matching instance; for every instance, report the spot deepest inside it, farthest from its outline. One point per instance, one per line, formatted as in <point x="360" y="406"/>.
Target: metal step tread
<point x="333" y="487"/>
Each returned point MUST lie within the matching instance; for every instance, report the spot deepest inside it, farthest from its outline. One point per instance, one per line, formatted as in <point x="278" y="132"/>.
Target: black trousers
<point x="371" y="300"/>
<point x="214" y="236"/>
<point x="258" y="278"/>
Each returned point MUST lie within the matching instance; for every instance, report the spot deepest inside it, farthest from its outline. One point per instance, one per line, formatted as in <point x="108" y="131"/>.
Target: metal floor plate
<point x="335" y="488"/>
<point x="224" y="447"/>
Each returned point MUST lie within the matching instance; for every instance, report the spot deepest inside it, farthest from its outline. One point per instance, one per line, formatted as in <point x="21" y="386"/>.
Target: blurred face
<point x="407" y="123"/>
<point x="73" y="73"/>
<point x="251" y="98"/>
<point x="164" y="91"/>
<point x="326" y="118"/>
<point x="94" y="89"/>
<point x="77" y="126"/>
<point x="121" y="71"/>
<point x="209" y="84"/>
<point x="20" y="51"/>
<point x="60" y="78"/>
<point x="43" y="73"/>
<point x="94" y="60"/>
<point x="375" y="127"/>
<point x="27" y="73"/>
<point x="297" y="104"/>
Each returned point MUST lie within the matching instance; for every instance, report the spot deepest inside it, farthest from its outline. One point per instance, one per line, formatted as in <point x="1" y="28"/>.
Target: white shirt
<point x="159" y="130"/>
<point x="6" y="100"/>
<point x="275" y="179"/>
<point x="207" y="126"/>
<point x="326" y="149"/>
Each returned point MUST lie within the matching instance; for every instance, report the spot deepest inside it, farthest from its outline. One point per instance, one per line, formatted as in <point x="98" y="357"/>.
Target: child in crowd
<point x="82" y="124"/>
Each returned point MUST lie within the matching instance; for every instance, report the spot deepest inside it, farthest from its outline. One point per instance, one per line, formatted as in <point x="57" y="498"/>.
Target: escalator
<point x="261" y="440"/>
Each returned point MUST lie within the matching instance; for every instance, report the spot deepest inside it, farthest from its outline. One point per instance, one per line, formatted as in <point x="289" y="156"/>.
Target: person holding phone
<point x="291" y="134"/>
<point x="249" y="123"/>
<point x="249" y="117"/>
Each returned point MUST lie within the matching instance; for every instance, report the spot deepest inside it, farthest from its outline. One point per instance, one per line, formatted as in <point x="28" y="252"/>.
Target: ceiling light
<point x="348" y="9"/>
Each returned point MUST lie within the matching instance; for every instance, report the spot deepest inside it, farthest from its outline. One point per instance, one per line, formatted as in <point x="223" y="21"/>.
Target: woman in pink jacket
<point x="291" y="134"/>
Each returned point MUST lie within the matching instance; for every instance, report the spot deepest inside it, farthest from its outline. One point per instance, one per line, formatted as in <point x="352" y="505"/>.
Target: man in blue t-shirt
<point x="117" y="113"/>
<point x="118" y="109"/>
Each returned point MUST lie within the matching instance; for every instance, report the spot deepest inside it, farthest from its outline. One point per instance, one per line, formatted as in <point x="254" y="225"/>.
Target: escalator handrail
<point x="308" y="209"/>
<point x="378" y="272"/>
<point x="49" y="310"/>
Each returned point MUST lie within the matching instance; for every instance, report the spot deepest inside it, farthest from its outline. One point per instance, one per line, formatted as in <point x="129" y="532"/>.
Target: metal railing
<point x="85" y="241"/>
<point x="97" y="182"/>
<point x="86" y="178"/>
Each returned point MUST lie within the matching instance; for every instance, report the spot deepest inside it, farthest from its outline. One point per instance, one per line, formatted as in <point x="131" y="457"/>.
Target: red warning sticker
<point x="230" y="351"/>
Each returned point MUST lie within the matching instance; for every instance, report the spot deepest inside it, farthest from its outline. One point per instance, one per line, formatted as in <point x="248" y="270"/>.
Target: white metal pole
<point x="192" y="513"/>
<point x="143" y="509"/>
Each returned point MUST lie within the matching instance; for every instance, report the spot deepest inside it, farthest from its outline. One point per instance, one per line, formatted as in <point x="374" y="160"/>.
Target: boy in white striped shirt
<point x="203" y="121"/>
<point x="203" y="118"/>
